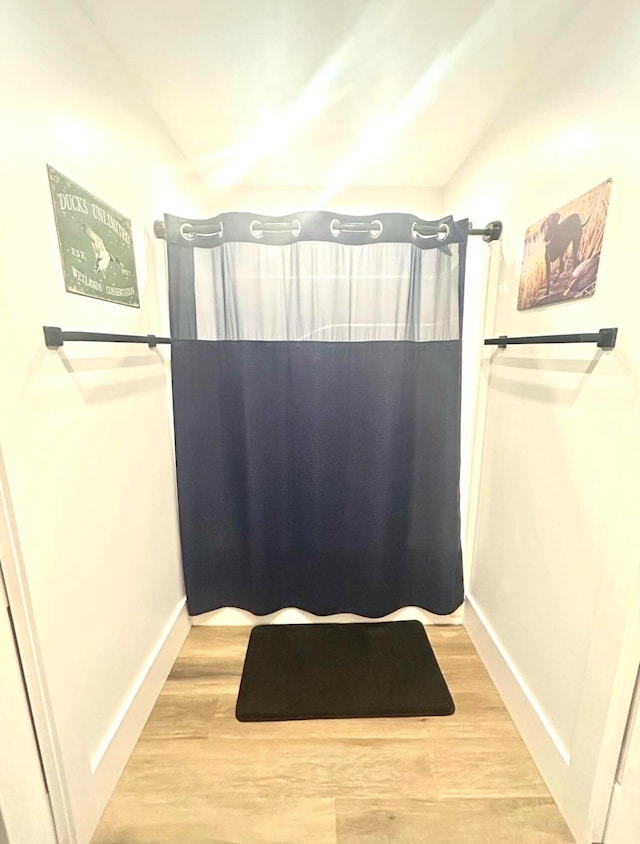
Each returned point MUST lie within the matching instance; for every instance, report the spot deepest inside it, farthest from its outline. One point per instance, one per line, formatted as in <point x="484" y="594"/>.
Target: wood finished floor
<point x="198" y="776"/>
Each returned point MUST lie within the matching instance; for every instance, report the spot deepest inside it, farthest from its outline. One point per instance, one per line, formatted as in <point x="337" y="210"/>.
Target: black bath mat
<point x="370" y="670"/>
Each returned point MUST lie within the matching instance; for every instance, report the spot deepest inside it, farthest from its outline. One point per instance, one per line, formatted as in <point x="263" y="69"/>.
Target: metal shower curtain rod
<point x="492" y="231"/>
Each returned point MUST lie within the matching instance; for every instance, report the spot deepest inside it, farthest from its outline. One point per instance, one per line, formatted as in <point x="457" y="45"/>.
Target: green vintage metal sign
<point x="96" y="245"/>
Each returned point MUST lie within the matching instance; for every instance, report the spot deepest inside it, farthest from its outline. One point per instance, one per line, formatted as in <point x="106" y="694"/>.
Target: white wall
<point x="25" y="814"/>
<point x="86" y="432"/>
<point x="556" y="551"/>
<point x="421" y="201"/>
<point x="623" y="823"/>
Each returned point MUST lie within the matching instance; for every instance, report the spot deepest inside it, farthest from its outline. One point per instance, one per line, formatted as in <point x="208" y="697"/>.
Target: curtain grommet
<point x="185" y="234"/>
<point x="191" y="235"/>
<point x="252" y="228"/>
<point x="378" y="232"/>
<point x="441" y="235"/>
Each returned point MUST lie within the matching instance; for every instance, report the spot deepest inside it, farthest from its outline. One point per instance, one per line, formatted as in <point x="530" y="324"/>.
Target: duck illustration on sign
<point x="103" y="256"/>
<point x="562" y="251"/>
<point x="96" y="245"/>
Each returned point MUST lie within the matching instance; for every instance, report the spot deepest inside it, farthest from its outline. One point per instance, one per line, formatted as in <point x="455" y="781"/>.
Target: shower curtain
<point x="316" y="387"/>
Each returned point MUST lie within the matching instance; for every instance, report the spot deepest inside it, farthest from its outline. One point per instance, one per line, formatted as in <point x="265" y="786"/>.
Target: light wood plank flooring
<point x="198" y="776"/>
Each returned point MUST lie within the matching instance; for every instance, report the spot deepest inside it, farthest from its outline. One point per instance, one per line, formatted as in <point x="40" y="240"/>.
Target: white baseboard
<point x="548" y="752"/>
<point x="110" y="758"/>
<point x="232" y="617"/>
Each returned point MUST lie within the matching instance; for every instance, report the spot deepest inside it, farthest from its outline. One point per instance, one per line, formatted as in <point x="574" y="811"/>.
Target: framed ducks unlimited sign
<point x="96" y="246"/>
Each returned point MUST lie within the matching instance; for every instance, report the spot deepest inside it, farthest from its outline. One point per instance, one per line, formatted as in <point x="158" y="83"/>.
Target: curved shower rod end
<point x="159" y="229"/>
<point x="492" y="231"/>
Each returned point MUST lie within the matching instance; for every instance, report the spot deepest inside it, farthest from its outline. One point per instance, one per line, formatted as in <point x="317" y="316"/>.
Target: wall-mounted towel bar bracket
<point x="55" y="338"/>
<point x="605" y="339"/>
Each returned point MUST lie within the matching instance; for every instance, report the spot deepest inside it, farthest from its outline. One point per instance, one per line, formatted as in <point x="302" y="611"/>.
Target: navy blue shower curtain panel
<point x="316" y="388"/>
